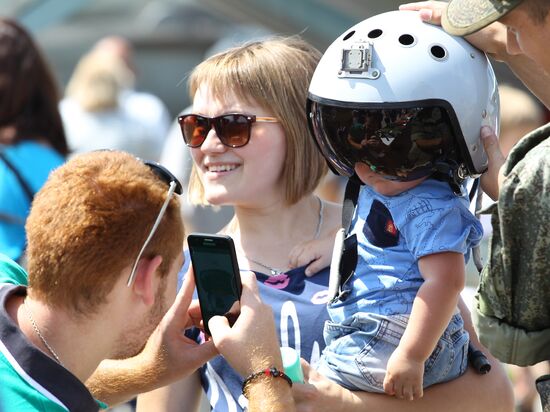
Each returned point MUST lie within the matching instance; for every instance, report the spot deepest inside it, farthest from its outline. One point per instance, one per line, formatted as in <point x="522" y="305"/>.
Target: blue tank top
<point x="34" y="162"/>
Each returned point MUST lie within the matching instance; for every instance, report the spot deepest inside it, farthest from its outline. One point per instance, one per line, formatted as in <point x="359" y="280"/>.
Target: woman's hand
<point x="319" y="394"/>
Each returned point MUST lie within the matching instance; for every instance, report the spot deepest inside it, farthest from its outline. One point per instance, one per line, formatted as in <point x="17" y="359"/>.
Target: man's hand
<point x="404" y="377"/>
<point x="251" y="344"/>
<point x="490" y="39"/>
<point x="167" y="356"/>
<point x="491" y="180"/>
<point x="168" y="350"/>
<point x="430" y="11"/>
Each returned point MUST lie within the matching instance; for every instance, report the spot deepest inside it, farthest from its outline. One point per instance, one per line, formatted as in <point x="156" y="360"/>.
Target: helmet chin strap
<point x="450" y="171"/>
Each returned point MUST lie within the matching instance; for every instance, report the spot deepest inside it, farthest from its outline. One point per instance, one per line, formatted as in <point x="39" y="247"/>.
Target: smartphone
<point x="216" y="276"/>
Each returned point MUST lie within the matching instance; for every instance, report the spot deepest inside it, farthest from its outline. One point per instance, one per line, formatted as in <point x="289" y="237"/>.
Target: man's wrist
<point x="269" y="394"/>
<point x="268" y="373"/>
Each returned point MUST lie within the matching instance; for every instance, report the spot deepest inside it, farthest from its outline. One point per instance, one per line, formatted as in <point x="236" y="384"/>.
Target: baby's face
<point x="380" y="184"/>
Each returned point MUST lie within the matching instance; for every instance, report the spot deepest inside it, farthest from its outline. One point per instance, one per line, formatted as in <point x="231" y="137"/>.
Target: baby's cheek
<point x="363" y="171"/>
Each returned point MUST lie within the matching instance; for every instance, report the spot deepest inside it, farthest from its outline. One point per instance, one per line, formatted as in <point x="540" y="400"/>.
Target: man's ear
<point x="145" y="283"/>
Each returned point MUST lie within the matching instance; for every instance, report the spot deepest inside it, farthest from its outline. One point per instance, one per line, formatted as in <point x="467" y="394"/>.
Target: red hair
<point x="88" y="223"/>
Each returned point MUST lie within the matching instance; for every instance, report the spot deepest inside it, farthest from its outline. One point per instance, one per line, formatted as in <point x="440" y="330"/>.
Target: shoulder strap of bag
<point x="26" y="188"/>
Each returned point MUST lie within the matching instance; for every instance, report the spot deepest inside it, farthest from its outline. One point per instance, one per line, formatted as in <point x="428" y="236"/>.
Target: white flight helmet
<point x="404" y="97"/>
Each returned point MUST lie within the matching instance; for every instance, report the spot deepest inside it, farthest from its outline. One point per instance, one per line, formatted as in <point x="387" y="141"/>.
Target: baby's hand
<point x="316" y="253"/>
<point x="404" y="377"/>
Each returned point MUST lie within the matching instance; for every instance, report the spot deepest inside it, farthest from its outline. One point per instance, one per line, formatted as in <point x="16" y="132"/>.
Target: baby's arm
<point x="433" y="307"/>
<point x="316" y="253"/>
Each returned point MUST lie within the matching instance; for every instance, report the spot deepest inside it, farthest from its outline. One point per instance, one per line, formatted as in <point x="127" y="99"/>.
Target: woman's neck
<point x="268" y="234"/>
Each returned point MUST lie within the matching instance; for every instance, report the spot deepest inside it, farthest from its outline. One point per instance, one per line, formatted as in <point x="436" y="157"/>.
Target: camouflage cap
<point x="464" y="17"/>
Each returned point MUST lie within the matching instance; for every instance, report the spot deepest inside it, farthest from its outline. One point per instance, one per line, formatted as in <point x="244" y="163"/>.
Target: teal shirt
<point x="30" y="380"/>
<point x="11" y="272"/>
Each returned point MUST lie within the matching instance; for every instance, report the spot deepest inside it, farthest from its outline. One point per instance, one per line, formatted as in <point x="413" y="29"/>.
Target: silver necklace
<point x="275" y="271"/>
<point x="37" y="330"/>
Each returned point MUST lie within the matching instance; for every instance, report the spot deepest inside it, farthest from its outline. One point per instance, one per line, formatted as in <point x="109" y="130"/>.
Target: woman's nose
<point x="212" y="143"/>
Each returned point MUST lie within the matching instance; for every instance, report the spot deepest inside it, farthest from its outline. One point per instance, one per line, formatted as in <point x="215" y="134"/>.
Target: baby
<point x="398" y="104"/>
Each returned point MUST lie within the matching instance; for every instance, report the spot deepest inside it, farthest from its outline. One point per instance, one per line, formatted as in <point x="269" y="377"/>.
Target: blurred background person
<point x="145" y="107"/>
<point x="32" y="140"/>
<point x="101" y="109"/>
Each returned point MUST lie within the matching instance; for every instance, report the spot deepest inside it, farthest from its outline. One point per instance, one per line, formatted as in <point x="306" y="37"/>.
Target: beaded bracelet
<point x="273" y="372"/>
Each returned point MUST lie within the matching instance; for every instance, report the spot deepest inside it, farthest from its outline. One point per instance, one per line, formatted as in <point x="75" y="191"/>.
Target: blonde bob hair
<point x="274" y="74"/>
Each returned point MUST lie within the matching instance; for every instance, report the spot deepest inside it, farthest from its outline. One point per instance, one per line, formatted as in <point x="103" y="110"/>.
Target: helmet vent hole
<point x="373" y="34"/>
<point x="347" y="36"/>
<point x="406" y="40"/>
<point x="438" y="52"/>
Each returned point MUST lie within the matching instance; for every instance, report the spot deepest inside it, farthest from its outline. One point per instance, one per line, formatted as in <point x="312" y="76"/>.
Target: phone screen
<point x="216" y="276"/>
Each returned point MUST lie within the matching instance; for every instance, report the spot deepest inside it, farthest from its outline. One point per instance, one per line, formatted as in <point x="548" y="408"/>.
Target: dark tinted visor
<point x="398" y="143"/>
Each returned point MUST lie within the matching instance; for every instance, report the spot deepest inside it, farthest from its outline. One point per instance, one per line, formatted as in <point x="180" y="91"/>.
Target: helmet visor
<point x="398" y="143"/>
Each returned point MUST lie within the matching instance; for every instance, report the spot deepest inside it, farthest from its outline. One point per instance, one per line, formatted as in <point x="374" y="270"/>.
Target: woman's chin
<point x="217" y="199"/>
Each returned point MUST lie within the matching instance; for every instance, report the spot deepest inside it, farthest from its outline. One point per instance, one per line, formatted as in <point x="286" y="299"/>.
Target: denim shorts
<point x="358" y="350"/>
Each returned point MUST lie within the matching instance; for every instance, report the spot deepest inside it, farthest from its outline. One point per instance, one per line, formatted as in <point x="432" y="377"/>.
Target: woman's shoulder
<point x="34" y="153"/>
<point x="32" y="146"/>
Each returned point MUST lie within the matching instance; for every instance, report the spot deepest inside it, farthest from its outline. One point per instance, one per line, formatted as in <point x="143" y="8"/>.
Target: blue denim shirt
<point x="393" y="232"/>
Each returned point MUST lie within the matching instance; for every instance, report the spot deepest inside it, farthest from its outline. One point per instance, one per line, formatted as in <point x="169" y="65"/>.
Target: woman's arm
<point x="471" y="392"/>
<point x="183" y="395"/>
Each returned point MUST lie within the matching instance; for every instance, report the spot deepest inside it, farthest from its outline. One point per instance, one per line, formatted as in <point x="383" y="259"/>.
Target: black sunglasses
<point x="233" y="129"/>
<point x="164" y="174"/>
<point x="174" y="186"/>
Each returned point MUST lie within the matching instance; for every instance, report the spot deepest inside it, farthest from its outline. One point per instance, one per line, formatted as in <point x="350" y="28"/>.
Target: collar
<point x="38" y="370"/>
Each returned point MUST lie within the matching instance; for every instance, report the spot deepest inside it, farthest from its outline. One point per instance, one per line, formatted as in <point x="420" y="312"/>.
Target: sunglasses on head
<point x="233" y="129"/>
<point x="174" y="186"/>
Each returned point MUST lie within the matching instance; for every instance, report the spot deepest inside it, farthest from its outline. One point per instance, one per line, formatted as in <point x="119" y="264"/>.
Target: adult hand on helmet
<point x="491" y="180"/>
<point x="430" y="11"/>
<point x="491" y="39"/>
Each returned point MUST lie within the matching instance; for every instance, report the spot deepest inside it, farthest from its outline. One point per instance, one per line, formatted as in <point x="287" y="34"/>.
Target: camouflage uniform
<point x="513" y="301"/>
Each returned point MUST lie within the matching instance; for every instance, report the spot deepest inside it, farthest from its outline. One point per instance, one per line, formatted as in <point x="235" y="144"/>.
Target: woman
<point x="32" y="140"/>
<point x="268" y="169"/>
